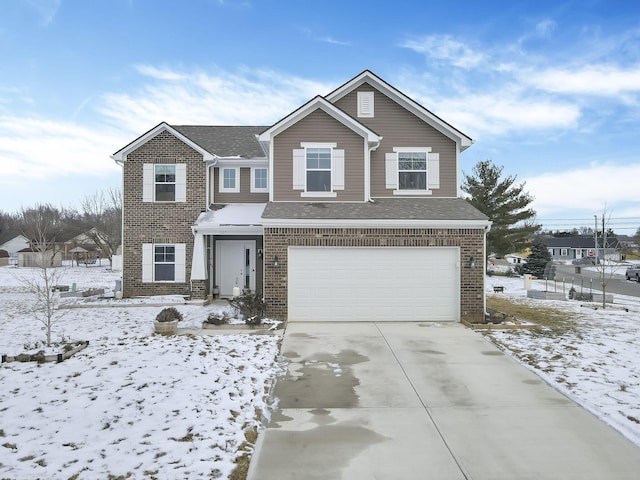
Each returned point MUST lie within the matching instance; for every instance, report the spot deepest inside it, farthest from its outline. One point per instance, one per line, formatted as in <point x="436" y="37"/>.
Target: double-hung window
<point x="412" y="170"/>
<point x="259" y="180"/>
<point x="318" y="169"/>
<point x="230" y="179"/>
<point x="165" y="182"/>
<point x="164" y="263"/>
<point x="318" y="166"/>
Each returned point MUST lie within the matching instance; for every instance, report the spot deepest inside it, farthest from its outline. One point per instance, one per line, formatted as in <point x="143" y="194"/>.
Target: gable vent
<point x="365" y="104"/>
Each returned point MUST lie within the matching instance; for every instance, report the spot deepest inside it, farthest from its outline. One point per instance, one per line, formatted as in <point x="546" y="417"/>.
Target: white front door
<point x="235" y="265"/>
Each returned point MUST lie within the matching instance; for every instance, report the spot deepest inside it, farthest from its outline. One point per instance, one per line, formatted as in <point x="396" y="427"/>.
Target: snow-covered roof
<point x="231" y="219"/>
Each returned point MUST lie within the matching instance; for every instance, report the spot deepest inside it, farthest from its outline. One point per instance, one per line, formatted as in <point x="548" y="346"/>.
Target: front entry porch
<point x="227" y="251"/>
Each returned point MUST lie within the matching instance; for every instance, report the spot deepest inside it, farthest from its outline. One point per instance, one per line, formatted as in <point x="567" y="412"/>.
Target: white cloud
<point x="446" y="48"/>
<point x="545" y="28"/>
<point x="47" y="10"/>
<point x="586" y="189"/>
<point x="599" y="80"/>
<point x="229" y="98"/>
<point x="36" y="148"/>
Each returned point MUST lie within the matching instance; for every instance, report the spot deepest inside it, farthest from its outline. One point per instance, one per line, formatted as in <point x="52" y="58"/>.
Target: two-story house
<point x="346" y="209"/>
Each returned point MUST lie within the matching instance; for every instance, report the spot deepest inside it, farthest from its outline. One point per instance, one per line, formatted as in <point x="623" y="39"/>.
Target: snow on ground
<point x="138" y="404"/>
<point x="595" y="360"/>
<point x="132" y="403"/>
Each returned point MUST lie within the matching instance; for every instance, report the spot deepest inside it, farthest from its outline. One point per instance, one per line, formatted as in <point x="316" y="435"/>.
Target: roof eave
<point x="121" y="155"/>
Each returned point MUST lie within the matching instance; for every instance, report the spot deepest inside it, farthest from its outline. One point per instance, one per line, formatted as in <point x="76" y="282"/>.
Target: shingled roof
<point x="225" y="141"/>
<point x="437" y="209"/>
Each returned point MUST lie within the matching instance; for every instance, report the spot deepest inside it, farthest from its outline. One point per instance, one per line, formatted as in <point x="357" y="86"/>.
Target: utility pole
<point x="595" y="236"/>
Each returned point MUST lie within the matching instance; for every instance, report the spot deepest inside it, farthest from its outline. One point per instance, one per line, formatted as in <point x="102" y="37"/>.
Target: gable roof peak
<point x="367" y="76"/>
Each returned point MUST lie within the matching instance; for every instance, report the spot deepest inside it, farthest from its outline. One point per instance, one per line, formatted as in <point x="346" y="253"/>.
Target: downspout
<point x="121" y="164"/>
<point x="484" y="271"/>
<point x="368" y="179"/>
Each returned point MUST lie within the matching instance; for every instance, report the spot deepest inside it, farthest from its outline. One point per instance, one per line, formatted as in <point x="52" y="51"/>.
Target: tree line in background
<point x="47" y="227"/>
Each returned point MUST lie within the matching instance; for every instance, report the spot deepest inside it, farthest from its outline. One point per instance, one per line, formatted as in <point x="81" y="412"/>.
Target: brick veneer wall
<point x="470" y="241"/>
<point x="148" y="222"/>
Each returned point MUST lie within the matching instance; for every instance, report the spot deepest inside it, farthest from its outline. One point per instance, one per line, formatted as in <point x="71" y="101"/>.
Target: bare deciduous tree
<point x="44" y="226"/>
<point x="606" y="269"/>
<point x="102" y="217"/>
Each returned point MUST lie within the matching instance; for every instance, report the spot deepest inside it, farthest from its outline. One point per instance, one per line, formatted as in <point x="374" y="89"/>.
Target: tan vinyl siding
<point x="243" y="196"/>
<point x="318" y="127"/>
<point x="401" y="128"/>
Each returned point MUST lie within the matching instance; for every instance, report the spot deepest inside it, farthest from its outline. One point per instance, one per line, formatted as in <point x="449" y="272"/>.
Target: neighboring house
<point x="29" y="257"/>
<point x="575" y="248"/>
<point x="514" y="259"/>
<point x="346" y="209"/>
<point x="81" y="248"/>
<point x="13" y="246"/>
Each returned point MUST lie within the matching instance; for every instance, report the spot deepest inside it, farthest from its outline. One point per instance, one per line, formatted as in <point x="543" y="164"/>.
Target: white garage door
<point x="374" y="284"/>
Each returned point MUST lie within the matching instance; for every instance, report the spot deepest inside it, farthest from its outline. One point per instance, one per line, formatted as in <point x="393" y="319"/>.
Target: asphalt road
<point x="616" y="283"/>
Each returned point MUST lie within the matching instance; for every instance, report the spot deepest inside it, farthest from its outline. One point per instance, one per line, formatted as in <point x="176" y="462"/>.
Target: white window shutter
<point x="181" y="182"/>
<point x="147" y="182"/>
<point x="337" y="169"/>
<point x="147" y="262"/>
<point x="391" y="168"/>
<point x="181" y="261"/>
<point x="299" y="168"/>
<point x="433" y="170"/>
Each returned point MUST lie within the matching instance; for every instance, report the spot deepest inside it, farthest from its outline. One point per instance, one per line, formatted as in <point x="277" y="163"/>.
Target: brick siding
<point x="470" y="242"/>
<point x="148" y="222"/>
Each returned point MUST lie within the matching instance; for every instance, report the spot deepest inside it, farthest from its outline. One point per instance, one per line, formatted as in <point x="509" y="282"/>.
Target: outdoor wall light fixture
<point x="472" y="263"/>
<point x="275" y="261"/>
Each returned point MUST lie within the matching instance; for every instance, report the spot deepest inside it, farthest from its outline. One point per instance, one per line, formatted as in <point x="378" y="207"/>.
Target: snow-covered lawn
<point x="594" y="359"/>
<point x="138" y="405"/>
<point x="133" y="403"/>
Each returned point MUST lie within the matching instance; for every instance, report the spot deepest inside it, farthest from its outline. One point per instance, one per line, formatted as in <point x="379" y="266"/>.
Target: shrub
<point x="250" y="307"/>
<point x="217" y="318"/>
<point x="168" y="314"/>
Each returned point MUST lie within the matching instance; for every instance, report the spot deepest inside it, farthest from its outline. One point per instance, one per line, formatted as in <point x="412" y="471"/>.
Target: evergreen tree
<point x="505" y="203"/>
<point x="537" y="259"/>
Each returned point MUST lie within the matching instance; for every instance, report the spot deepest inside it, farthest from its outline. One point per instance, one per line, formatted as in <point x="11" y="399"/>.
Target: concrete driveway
<point x="425" y="401"/>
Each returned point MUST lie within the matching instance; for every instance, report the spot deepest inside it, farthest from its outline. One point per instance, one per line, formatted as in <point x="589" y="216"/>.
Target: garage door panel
<point x="373" y="284"/>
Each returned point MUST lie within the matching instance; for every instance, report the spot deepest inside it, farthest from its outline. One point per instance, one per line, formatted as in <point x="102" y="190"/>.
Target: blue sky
<point x="548" y="89"/>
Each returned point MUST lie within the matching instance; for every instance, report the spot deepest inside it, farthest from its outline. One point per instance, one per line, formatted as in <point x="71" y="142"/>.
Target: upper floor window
<point x="259" y="180"/>
<point x="230" y="179"/>
<point x="165" y="183"/>
<point x="318" y="169"/>
<point x="412" y="171"/>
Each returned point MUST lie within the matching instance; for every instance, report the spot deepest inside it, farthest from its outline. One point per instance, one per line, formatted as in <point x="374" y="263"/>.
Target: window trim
<point x="255" y="189"/>
<point x="221" y="187"/>
<point x="564" y="252"/>
<point x="149" y="263"/>
<point x="156" y="183"/>
<point x="404" y="191"/>
<point x="156" y="263"/>
<point x="313" y="193"/>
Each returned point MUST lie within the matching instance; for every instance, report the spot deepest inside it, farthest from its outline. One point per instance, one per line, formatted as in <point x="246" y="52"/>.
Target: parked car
<point x="633" y="273"/>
